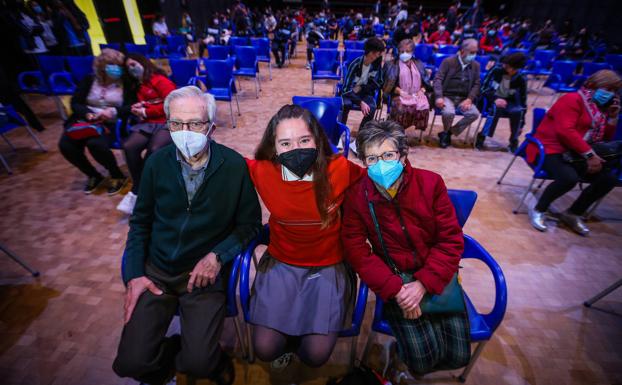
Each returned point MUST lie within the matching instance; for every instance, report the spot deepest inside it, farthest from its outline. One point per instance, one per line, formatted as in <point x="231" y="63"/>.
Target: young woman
<point x="303" y="292"/>
<point x="150" y="133"/>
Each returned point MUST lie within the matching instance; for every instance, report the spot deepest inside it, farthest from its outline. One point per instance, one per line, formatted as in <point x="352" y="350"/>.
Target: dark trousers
<point x="349" y="104"/>
<point x="566" y="176"/>
<point x="147" y="356"/>
<point x="278" y="50"/>
<point x="99" y="147"/>
<point x="134" y="146"/>
<point x="512" y="111"/>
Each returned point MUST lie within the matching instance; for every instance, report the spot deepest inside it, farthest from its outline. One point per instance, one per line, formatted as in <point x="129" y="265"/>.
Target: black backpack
<point x="360" y="375"/>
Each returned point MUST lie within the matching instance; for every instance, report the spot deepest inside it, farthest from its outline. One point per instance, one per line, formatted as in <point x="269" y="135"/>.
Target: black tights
<point x="74" y="151"/>
<point x="313" y="349"/>
<point x="134" y="146"/>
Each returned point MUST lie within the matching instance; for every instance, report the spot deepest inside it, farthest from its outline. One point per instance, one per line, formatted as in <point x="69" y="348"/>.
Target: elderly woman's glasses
<point x="388" y="155"/>
<point x="195" y="125"/>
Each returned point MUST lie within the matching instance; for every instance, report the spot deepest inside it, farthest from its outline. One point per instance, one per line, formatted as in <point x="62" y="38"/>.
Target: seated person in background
<point x="440" y="37"/>
<point x="160" y="29"/>
<point x="402" y="32"/>
<point x="426" y="242"/>
<point x="367" y="31"/>
<point x="491" y="43"/>
<point x="457" y="83"/>
<point x="303" y="293"/>
<point x="407" y="81"/>
<point x="177" y="244"/>
<point x="363" y="80"/>
<point x="282" y="37"/>
<point x="506" y="87"/>
<point x="99" y="100"/>
<point x="150" y="132"/>
<point x="313" y="41"/>
<point x="468" y="32"/>
<point x="572" y="128"/>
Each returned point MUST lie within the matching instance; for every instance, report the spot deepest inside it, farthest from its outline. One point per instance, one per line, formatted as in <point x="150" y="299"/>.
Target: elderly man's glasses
<point x="388" y="155"/>
<point x="195" y="125"/>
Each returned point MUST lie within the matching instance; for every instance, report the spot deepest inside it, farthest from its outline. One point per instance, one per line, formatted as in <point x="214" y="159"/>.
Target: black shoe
<point x="116" y="185"/>
<point x="479" y="142"/>
<point x="444" y="139"/>
<point x="92" y="183"/>
<point x="224" y="373"/>
<point x="513" y="146"/>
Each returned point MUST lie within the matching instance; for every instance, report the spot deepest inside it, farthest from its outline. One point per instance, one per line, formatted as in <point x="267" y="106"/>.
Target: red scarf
<point x="599" y="120"/>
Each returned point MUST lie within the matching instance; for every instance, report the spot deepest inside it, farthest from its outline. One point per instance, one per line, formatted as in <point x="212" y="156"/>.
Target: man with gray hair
<point x="456" y="85"/>
<point x="196" y="210"/>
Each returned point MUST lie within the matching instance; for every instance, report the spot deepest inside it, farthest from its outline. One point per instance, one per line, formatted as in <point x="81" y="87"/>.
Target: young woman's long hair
<point x="147" y="64"/>
<point x="266" y="150"/>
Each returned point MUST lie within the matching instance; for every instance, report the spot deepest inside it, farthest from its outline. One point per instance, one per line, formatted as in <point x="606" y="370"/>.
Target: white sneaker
<point x="127" y="204"/>
<point x="282" y="362"/>
<point x="353" y="146"/>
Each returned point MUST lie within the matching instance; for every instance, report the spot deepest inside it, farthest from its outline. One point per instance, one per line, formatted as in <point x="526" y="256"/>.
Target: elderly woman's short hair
<point x="375" y="132"/>
<point x="191" y="92"/>
<point x="604" y="79"/>
<point x="406" y="45"/>
<point x="107" y="56"/>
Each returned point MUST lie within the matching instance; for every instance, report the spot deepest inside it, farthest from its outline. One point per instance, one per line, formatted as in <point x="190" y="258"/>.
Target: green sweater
<point x="223" y="216"/>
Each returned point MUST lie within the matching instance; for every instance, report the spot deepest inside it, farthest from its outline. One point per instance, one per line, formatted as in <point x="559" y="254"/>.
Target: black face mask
<point x="298" y="161"/>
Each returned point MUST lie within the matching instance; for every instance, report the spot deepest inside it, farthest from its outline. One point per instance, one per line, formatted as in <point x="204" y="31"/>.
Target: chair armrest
<point x="245" y="267"/>
<point x="344" y="130"/>
<point x="552" y="77"/>
<point x="359" y="312"/>
<point x="232" y="283"/>
<point x="529" y="138"/>
<point x="62" y="82"/>
<point x="21" y="78"/>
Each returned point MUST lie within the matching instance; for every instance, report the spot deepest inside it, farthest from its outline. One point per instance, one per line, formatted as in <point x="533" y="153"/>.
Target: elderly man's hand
<point x="465" y="105"/>
<point x="205" y="272"/>
<point x="440" y="103"/>
<point x="501" y="103"/>
<point x="135" y="288"/>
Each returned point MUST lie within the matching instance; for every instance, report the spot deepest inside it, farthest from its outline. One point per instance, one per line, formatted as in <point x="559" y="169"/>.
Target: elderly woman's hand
<point x="410" y="295"/>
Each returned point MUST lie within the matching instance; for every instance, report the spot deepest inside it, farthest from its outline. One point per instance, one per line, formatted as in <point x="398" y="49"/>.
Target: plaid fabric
<point x="431" y="342"/>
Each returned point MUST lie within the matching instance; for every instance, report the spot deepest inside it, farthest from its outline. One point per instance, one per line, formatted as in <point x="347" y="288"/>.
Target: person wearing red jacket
<point x="440" y="36"/>
<point x="570" y="130"/>
<point x="491" y="42"/>
<point x="151" y="132"/>
<point x="303" y="292"/>
<point x="422" y="237"/>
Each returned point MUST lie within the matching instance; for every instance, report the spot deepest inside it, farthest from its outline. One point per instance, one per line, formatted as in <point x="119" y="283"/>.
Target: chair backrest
<point x="545" y="57"/>
<point x="359" y="44"/>
<point x="510" y="51"/>
<point x="217" y="52"/>
<point x="424" y="52"/>
<point x="349" y="44"/>
<point x="438" y="59"/>
<point x="483" y="61"/>
<point x="329" y="44"/>
<point x="184" y="70"/>
<point x="615" y="60"/>
<point x="591" y="67"/>
<point x="152" y="41"/>
<point x="565" y="69"/>
<point x="379" y="29"/>
<point x="116" y="46"/>
<point x="245" y="57"/>
<point x="463" y="201"/>
<point x="538" y="115"/>
<point x="618" y="134"/>
<point x="239" y="40"/>
<point x="325" y="59"/>
<point x="142" y="49"/>
<point x="262" y="46"/>
<point x="51" y="64"/>
<point x="173" y="42"/>
<point x="80" y="66"/>
<point x="219" y="73"/>
<point x="352" y="54"/>
<point x="326" y="110"/>
<point x="13" y="119"/>
<point x="448" y="49"/>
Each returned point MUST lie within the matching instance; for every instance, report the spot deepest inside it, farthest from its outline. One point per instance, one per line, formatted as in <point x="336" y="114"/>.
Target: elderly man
<point x="456" y="85"/>
<point x="196" y="210"/>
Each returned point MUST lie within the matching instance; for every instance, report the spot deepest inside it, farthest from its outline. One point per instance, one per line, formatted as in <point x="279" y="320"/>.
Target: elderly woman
<point x="407" y="82"/>
<point x="572" y="131"/>
<point x="97" y="103"/>
<point x="420" y="234"/>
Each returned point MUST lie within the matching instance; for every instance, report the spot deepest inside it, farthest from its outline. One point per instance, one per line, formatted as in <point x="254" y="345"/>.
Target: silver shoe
<point x="536" y="218"/>
<point x="574" y="222"/>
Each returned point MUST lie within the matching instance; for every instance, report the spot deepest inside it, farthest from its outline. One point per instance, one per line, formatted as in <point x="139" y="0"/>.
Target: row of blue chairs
<point x="10" y="120"/>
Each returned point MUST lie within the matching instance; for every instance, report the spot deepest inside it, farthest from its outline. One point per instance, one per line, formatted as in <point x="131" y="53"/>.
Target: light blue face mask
<point x="114" y="71"/>
<point x="405" y="56"/>
<point x="385" y="172"/>
<point x="469" y="58"/>
<point x="601" y="97"/>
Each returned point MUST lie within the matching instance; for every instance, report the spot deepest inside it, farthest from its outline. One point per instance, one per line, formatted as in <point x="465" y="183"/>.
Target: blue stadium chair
<point x="115" y="46"/>
<point x="262" y="46"/>
<point x="424" y="52"/>
<point x="325" y="65"/>
<point x="263" y="238"/>
<point x="483" y="62"/>
<point x="235" y="41"/>
<point x="327" y="110"/>
<point x="379" y="30"/>
<point x="359" y="44"/>
<point x="142" y="49"/>
<point x="184" y="71"/>
<point x="39" y="82"/>
<point x="562" y="79"/>
<point x="448" y="49"/>
<point x="329" y="44"/>
<point x="538" y="172"/>
<point x="591" y="67"/>
<point x="438" y="112"/>
<point x="231" y="304"/>
<point x="438" y="59"/>
<point x="247" y="65"/>
<point x="80" y="67"/>
<point x="352" y="54"/>
<point x="218" y="52"/>
<point x="541" y="63"/>
<point x="219" y="82"/>
<point x="615" y="61"/>
<point x="349" y="44"/>
<point x="10" y="120"/>
<point x="510" y="51"/>
<point x="175" y="46"/>
<point x="155" y="47"/>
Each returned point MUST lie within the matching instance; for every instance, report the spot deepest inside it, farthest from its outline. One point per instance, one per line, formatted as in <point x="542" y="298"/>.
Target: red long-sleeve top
<point x="296" y="233"/>
<point x="153" y="92"/>
<point x="490" y="45"/>
<point x="439" y="37"/>
<point x="564" y="126"/>
<point x="429" y="219"/>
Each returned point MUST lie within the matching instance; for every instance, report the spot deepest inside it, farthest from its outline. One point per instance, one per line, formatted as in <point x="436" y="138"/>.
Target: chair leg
<point x="270" y="69"/>
<point x="251" y="350"/>
<point x="237" y="101"/>
<point x="421" y="135"/>
<point x="256" y="88"/>
<point x="541" y="183"/>
<point x="468" y="132"/>
<point x="429" y="136"/>
<point x="232" y="117"/>
<point x="506" y="170"/>
<point x="259" y="81"/>
<point x="370" y="340"/>
<point x="478" y="350"/>
<point x="61" y="108"/>
<point x="536" y="98"/>
<point x="16" y="258"/>
<point x="9" y="143"/>
<point x="592" y="209"/>
<point x="241" y="338"/>
<point x="479" y="124"/>
<point x="312" y="88"/>
<point x="353" y="348"/>
<point x="36" y="139"/>
<point x="6" y="165"/>
<point x="520" y="204"/>
<point x="603" y="293"/>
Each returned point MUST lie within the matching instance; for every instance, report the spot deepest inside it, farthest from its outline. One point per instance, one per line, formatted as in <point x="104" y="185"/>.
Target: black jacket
<point x="517" y="83"/>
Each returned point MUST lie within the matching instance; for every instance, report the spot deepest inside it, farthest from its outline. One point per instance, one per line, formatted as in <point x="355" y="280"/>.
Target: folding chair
<point x="448" y="49"/>
<point x="142" y="49"/>
<point x="184" y="71"/>
<point x="40" y="81"/>
<point x="562" y="79"/>
<point x="329" y="44"/>
<point x="262" y="46"/>
<point x="325" y="65"/>
<point x="10" y="120"/>
<point x="80" y="67"/>
<point x="247" y="65"/>
<point x="218" y="52"/>
<point x="219" y="82"/>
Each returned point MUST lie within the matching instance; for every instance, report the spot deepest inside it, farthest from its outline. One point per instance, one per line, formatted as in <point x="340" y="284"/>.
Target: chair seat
<point x="264" y="59"/>
<point x="245" y="72"/>
<point x="541" y="175"/>
<point x="479" y="329"/>
<point x="220" y="93"/>
<point x="326" y="75"/>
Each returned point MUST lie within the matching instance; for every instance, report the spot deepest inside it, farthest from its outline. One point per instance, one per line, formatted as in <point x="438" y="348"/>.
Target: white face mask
<point x="190" y="143"/>
<point x="405" y="56"/>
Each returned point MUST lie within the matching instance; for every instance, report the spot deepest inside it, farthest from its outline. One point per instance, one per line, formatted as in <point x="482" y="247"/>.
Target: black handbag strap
<point x="385" y="254"/>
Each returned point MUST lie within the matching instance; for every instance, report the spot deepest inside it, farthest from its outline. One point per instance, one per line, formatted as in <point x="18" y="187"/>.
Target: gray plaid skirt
<point x="148" y="128"/>
<point x="297" y="300"/>
<point x="432" y="342"/>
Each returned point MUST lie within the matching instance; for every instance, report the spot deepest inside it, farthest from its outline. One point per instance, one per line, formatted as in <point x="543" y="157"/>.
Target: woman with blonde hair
<point x="97" y="103"/>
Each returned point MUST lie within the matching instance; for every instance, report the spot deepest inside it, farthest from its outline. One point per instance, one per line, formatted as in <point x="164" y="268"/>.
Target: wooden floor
<point x="63" y="328"/>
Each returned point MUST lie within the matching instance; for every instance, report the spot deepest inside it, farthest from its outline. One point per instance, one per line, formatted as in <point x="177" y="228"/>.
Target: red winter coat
<point x="564" y="126"/>
<point x="430" y="220"/>
<point x="489" y="46"/>
<point x="156" y="89"/>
